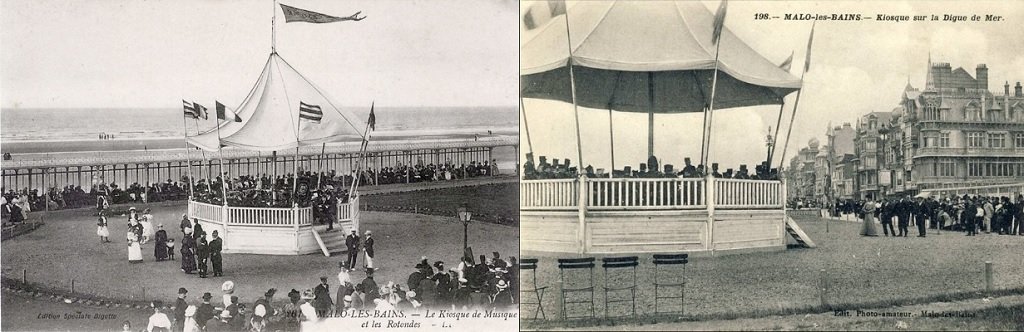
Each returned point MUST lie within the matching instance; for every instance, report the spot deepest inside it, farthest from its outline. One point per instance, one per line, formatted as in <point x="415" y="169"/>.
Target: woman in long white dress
<point x="190" y="324"/>
<point x="101" y="229"/>
<point x="147" y="226"/>
<point x="134" y="248"/>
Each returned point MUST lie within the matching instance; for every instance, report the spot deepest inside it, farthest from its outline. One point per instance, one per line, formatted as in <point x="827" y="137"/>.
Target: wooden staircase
<point x="798" y="234"/>
<point x="331" y="242"/>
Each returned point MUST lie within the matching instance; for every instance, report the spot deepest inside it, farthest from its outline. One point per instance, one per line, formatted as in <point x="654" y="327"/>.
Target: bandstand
<point x="656" y="58"/>
<point x="606" y="216"/>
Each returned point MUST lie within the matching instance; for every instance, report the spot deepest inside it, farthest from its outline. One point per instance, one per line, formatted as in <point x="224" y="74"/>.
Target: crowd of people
<point x="650" y="169"/>
<point x="968" y="214"/>
<point x="261" y="190"/>
<point x="488" y="284"/>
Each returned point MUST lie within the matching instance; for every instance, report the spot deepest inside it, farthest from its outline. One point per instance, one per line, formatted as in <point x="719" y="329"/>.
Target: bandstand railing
<point x="555" y="194"/>
<point x="748" y="194"/>
<point x="205" y="212"/>
<point x="642" y="194"/>
<point x="271" y="217"/>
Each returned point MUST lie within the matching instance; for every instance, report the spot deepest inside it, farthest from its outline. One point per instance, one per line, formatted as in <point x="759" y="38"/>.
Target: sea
<point x="67" y="124"/>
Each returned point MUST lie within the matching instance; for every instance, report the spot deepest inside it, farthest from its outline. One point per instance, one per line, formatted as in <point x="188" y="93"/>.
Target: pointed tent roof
<point x="651" y="36"/>
<point x="270" y="115"/>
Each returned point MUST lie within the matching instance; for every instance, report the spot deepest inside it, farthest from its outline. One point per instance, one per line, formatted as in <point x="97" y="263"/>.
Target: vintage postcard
<point x="259" y="165"/>
<point x="721" y="165"/>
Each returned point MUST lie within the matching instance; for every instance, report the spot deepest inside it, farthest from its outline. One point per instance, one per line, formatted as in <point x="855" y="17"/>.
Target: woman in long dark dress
<point x="160" y="249"/>
<point x="188" y="254"/>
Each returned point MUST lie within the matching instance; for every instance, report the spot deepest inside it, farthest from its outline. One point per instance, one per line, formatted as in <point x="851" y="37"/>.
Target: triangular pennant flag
<point x="292" y="14"/>
<point x="810" y="40"/>
<point x="372" y="121"/>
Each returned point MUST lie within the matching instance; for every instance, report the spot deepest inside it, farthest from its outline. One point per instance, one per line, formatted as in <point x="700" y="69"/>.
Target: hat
<point x="368" y="232"/>
<point x="369" y="270"/>
<point x="293" y="293"/>
<point x="190" y="311"/>
<point x="207" y="296"/>
<point x="348" y="298"/>
<point x="131" y="208"/>
<point x="215" y="232"/>
<point x="228" y="287"/>
<point x="146" y="210"/>
<point x="502" y="284"/>
<point x="410" y="294"/>
<point x="323" y="279"/>
<point x="354" y="230"/>
<point x="160" y="226"/>
<point x="225" y="313"/>
<point x="270" y="292"/>
<point x="463" y="280"/>
<point x="182" y="290"/>
<point x="260" y="310"/>
<point x="307" y="295"/>
<point x="234" y="299"/>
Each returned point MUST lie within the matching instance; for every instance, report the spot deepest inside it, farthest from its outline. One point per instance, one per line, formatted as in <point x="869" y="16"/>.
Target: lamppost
<point x="464" y="216"/>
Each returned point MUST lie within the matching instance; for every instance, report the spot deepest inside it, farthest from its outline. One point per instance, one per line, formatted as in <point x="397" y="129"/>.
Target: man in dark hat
<point x="198" y="231"/>
<point x="216" y="246"/>
<point x="179" y="309"/>
<point x="714" y="170"/>
<point x="322" y="298"/>
<point x="352" y="243"/>
<point x="369" y="288"/>
<point x="688" y="170"/>
<point x="497" y="261"/>
<point x="205" y="312"/>
<point x="202" y="255"/>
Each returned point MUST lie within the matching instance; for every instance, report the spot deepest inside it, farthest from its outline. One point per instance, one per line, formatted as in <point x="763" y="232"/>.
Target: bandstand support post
<point x="709" y="200"/>
<point x="581" y="203"/>
<point x="295" y="225"/>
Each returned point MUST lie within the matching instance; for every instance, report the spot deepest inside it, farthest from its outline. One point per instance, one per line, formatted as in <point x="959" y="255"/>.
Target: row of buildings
<point x="952" y="133"/>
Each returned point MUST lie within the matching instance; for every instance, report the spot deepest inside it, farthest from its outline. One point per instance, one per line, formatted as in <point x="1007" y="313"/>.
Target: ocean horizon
<point x="64" y="124"/>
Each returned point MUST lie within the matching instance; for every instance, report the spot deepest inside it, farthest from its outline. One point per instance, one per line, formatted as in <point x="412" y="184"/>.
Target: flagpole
<point x="205" y="160"/>
<point x="522" y="106"/>
<point x="807" y="66"/>
<point x="362" y="148"/>
<point x="778" y="126"/>
<point x="711" y="108"/>
<point x="220" y="166"/>
<point x="188" y="159"/>
<point x="273" y="30"/>
<point x="320" y="175"/>
<point x="572" y="85"/>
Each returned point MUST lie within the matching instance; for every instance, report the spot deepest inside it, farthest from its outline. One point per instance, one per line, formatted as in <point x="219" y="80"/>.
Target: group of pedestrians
<point x="198" y="253"/>
<point x="969" y="214"/>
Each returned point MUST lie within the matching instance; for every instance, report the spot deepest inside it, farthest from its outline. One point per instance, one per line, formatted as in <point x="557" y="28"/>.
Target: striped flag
<point x="201" y="111"/>
<point x="538" y="16"/>
<point x="373" y="119"/>
<point x="310" y="112"/>
<point x="224" y="113"/>
<point x="810" y="39"/>
<point x="719" y="22"/>
<point x="190" y="109"/>
<point x="788" y="63"/>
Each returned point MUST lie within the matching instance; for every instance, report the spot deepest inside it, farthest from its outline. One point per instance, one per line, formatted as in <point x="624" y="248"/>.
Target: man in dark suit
<point x="205" y="312"/>
<point x="903" y="211"/>
<point x="202" y="255"/>
<point x="216" y="246"/>
<point x="179" y="309"/>
<point x="322" y="298"/>
<point x="352" y="243"/>
<point x="888" y="211"/>
<point x="689" y="171"/>
<point x="920" y="215"/>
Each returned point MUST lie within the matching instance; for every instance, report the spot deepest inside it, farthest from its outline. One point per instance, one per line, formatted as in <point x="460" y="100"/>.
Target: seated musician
<point x="714" y="170"/>
<point x="689" y="171"/>
<point x="728" y="174"/>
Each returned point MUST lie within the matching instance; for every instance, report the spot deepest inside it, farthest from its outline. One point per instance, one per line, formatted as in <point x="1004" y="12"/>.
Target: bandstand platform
<point x="640" y="215"/>
<point x="275" y="231"/>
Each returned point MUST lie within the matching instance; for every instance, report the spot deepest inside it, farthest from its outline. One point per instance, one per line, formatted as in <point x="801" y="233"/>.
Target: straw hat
<point x="260" y="310"/>
<point x="501" y="284"/>
<point x="228" y="287"/>
<point x="307" y="294"/>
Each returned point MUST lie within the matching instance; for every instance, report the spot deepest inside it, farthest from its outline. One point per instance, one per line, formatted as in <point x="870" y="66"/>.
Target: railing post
<point x="295" y="225"/>
<point x="709" y="200"/>
<point x="581" y="204"/>
<point x="224" y="221"/>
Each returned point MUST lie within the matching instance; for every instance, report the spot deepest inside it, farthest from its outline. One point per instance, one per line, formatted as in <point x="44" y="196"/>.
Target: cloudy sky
<point x="857" y="67"/>
<point x="95" y="53"/>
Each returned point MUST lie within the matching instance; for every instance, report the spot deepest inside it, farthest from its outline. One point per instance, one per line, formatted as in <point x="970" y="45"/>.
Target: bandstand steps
<point x="798" y="234"/>
<point x="334" y="240"/>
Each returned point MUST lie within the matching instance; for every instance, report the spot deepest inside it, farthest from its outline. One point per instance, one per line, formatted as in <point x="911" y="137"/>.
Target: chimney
<point x="1006" y="88"/>
<point x="982" y="77"/>
<point x="1017" y="91"/>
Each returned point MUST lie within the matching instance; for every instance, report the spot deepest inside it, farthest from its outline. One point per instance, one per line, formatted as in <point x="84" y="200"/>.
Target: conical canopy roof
<point x="270" y="115"/>
<point x="647" y="56"/>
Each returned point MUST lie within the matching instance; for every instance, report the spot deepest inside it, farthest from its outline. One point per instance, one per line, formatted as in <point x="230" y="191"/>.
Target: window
<point x="869" y="162"/>
<point x="972" y="112"/>
<point x="997" y="140"/>
<point x="1018" y="140"/>
<point x="943" y="140"/>
<point x="975" y="169"/>
<point x="945" y="168"/>
<point x="932" y="113"/>
<point x="870" y="145"/>
<point x="975" y="139"/>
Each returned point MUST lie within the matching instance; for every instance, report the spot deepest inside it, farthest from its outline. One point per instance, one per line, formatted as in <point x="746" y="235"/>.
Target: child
<point x="102" y="230"/>
<point x="170" y="249"/>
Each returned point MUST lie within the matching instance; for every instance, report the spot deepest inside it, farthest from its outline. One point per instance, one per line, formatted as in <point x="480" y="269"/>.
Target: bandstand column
<point x="709" y="201"/>
<point x="581" y="203"/>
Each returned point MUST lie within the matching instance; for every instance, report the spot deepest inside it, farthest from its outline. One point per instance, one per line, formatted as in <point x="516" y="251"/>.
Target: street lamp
<point x="465" y="216"/>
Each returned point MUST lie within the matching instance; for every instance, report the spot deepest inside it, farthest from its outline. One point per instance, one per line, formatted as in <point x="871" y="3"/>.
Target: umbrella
<point x="646" y="57"/>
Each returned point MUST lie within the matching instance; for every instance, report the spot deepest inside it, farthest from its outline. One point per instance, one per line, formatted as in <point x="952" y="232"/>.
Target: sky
<point x="856" y="68"/>
<point x="135" y="54"/>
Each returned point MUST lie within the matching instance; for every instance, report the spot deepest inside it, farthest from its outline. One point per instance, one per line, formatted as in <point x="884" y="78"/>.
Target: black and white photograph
<point x="272" y="165"/>
<point x="741" y="165"/>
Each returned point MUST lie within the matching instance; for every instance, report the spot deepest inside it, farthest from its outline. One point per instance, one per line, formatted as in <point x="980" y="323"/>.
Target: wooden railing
<point x="560" y="194"/>
<point x="642" y="194"/>
<point x="748" y="194"/>
<point x="650" y="194"/>
<point x="253" y="216"/>
<point x="205" y="212"/>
